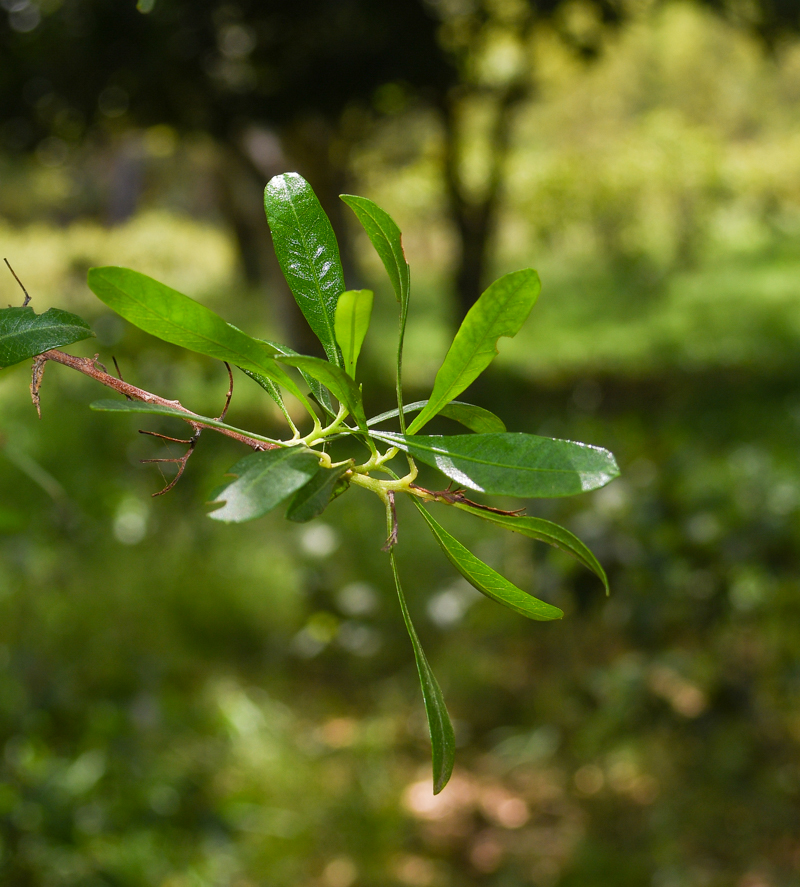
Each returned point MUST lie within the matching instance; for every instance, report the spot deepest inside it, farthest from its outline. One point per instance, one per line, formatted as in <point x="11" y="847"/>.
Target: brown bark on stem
<point x="88" y="366"/>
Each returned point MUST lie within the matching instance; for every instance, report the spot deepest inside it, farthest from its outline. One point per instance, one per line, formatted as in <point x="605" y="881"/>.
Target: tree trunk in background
<point x="475" y="216"/>
<point x="321" y="154"/>
<point x="239" y="189"/>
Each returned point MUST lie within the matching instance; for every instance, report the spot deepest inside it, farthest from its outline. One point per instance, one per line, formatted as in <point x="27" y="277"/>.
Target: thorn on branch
<point x="180" y="462"/>
<point x="229" y="395"/>
<point x="191" y="443"/>
<point x="158" y="434"/>
<point x="27" y="297"/>
<point x="119" y="374"/>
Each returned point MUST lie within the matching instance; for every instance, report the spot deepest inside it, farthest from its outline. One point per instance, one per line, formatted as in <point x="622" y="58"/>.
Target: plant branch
<point x="88" y="366"/>
<point x="457" y="497"/>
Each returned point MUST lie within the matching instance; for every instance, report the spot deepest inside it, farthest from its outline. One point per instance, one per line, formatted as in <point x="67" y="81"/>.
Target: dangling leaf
<point x="477" y="419"/>
<point x="443" y="742"/>
<point x="25" y="334"/>
<point x="511" y="464"/>
<point x="308" y="254"/>
<point x="313" y="498"/>
<point x="487" y="580"/>
<point x="263" y="481"/>
<point x="169" y="315"/>
<point x="351" y="324"/>
<point x="543" y="531"/>
<point x="500" y="311"/>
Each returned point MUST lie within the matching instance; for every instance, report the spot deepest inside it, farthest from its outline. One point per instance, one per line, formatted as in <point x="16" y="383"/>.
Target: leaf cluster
<point x="298" y="472"/>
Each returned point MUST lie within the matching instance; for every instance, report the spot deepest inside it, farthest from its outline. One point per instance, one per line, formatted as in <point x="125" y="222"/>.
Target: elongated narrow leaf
<point x="155" y="409"/>
<point x="24" y="334"/>
<point x="500" y="311"/>
<point x="353" y="312"/>
<point x="169" y="315"/>
<point x="443" y="742"/>
<point x="512" y="464"/>
<point x="313" y="498"/>
<point x="487" y="580"/>
<point x="543" y="531"/>
<point x="263" y="481"/>
<point x="319" y="391"/>
<point x="308" y="254"/>
<point x="270" y="387"/>
<point x="335" y="380"/>
<point x="477" y="419"/>
<point x="385" y="236"/>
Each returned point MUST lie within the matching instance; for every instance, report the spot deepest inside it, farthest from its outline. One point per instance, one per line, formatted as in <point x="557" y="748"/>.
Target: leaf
<point x="487" y="580"/>
<point x="263" y="481"/>
<point x="443" y="742"/>
<point x="313" y="498"/>
<point x="475" y="418"/>
<point x="351" y="324"/>
<point x="156" y="409"/>
<point x="385" y="236"/>
<point x="511" y="464"/>
<point x="500" y="311"/>
<point x="543" y="531"/>
<point x="25" y="334"/>
<point x="336" y="380"/>
<point x="270" y="387"/>
<point x="319" y="392"/>
<point x="308" y="254"/>
<point x="169" y="315"/>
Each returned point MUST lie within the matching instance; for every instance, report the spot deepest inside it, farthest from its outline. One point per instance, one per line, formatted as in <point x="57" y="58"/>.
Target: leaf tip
<point x="441" y="782"/>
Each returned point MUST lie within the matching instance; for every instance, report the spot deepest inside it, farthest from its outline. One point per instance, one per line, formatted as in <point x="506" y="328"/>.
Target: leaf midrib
<point x="475" y="351"/>
<point x="398" y="266"/>
<point x="183" y="329"/>
<point x="15" y="334"/>
<point x="317" y="284"/>
<point x="461" y="456"/>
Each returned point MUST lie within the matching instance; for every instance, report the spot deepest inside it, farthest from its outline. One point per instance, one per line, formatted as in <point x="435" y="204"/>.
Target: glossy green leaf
<point x="487" y="580"/>
<point x="443" y="743"/>
<point x="264" y="480"/>
<point x="335" y="380"/>
<point x="24" y="334"/>
<point x="155" y="409"/>
<point x="313" y="498"/>
<point x="477" y="419"/>
<point x="500" y="311"/>
<point x="169" y="315"/>
<point x="308" y="254"/>
<point x="351" y="323"/>
<point x="319" y="391"/>
<point x="543" y="531"/>
<point x="511" y="464"/>
<point x="386" y="237"/>
<point x="271" y="388"/>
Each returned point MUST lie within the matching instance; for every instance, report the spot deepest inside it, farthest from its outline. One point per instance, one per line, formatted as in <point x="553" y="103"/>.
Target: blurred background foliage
<point x="185" y="704"/>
